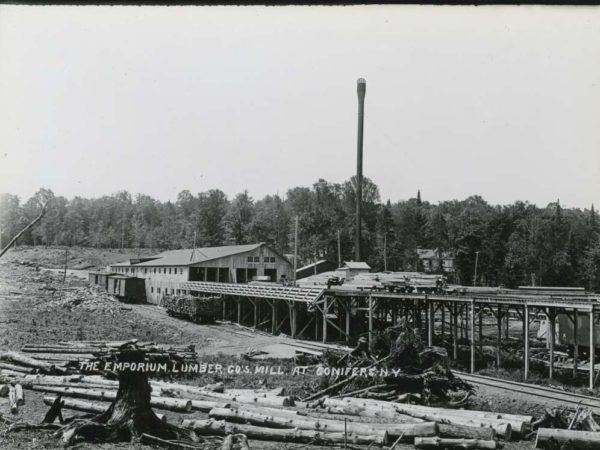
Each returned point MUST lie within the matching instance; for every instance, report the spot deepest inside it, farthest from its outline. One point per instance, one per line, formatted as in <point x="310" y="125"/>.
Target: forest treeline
<point x="518" y="243"/>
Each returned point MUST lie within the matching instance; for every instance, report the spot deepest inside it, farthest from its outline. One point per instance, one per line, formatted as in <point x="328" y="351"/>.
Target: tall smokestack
<point x="361" y="88"/>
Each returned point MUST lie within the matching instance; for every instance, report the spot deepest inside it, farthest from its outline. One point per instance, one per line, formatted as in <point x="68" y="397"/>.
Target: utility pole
<point x="475" y="276"/>
<point x="361" y="89"/>
<point x="384" y="252"/>
<point x="339" y="249"/>
<point x="295" y="249"/>
<point x="193" y="249"/>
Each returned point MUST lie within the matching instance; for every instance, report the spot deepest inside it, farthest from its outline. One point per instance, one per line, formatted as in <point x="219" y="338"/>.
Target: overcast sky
<point x="501" y="101"/>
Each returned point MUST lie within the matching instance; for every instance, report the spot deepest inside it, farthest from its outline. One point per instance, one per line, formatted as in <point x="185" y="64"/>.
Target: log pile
<point x="67" y="356"/>
<point x="265" y="414"/>
<point x="196" y="309"/>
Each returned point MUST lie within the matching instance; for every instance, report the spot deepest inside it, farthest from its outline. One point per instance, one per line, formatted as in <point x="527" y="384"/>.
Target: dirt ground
<point x="36" y="307"/>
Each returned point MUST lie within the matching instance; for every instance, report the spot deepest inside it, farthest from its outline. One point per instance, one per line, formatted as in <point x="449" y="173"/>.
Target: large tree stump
<point x="129" y="415"/>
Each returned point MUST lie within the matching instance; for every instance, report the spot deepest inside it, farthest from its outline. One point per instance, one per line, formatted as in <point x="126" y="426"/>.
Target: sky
<point x="497" y="101"/>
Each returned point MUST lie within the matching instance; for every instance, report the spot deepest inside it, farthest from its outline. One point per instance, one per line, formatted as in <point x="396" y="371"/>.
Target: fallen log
<point x="89" y="407"/>
<point x="25" y="360"/>
<point x="354" y="410"/>
<point x="463" y="417"/>
<point x="166" y="403"/>
<point x="222" y="428"/>
<point x="12" y="400"/>
<point x="436" y="442"/>
<point x="19" y="395"/>
<point x="15" y="368"/>
<point x="310" y="423"/>
<point x="550" y="438"/>
<point x="59" y="349"/>
<point x="205" y="405"/>
<point x="503" y="429"/>
<point x="462" y="431"/>
<point x="4" y="389"/>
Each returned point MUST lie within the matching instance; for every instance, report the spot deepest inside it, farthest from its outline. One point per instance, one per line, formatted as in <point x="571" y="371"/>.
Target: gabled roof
<point x="184" y="257"/>
<point x="356" y="265"/>
<point x="309" y="266"/>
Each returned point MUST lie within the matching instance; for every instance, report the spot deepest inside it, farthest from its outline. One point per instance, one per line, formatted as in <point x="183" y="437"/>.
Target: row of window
<point x="256" y="259"/>
<point x="166" y="291"/>
<point x="170" y="270"/>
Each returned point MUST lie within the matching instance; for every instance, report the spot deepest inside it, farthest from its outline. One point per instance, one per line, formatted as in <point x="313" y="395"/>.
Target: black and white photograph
<point x="247" y="227"/>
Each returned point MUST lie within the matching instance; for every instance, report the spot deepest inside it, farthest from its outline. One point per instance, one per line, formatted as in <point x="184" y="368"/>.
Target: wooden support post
<point x="394" y="314"/>
<point x="239" y="311"/>
<point x="274" y="317"/>
<point x="506" y="329"/>
<point x="455" y="332"/>
<point x="592" y="349"/>
<point x="293" y="322"/>
<point x="526" y="341"/>
<point x="348" y="308"/>
<point x="575" y="342"/>
<point x="370" y="322"/>
<point x="472" y="324"/>
<point x="430" y="322"/>
<point x="224" y="308"/>
<point x="498" y="336"/>
<point x="480" y="325"/>
<point x="255" y="313"/>
<point x="551" y="339"/>
<point x="325" y="312"/>
<point x="443" y="324"/>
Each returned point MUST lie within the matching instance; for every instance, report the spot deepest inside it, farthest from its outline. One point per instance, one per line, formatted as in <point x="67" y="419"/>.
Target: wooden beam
<point x="592" y="349"/>
<point x="472" y="326"/>
<point x="430" y="322"/>
<point x="443" y="323"/>
<point x="306" y="326"/>
<point x="325" y="312"/>
<point x="239" y="310"/>
<point x="551" y="339"/>
<point x="526" y="341"/>
<point x="348" y="309"/>
<point x="498" y="336"/>
<point x="274" y="317"/>
<point x="370" y="322"/>
<point x="575" y="342"/>
<point x="455" y="331"/>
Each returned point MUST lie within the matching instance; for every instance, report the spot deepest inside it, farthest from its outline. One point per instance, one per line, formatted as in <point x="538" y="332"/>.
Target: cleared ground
<point x="36" y="307"/>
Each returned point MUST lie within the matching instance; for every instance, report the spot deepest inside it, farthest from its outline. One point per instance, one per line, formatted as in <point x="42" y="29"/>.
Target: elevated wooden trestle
<point x="341" y="314"/>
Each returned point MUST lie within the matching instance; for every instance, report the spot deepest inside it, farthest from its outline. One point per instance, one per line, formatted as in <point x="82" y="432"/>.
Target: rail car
<point x="194" y="309"/>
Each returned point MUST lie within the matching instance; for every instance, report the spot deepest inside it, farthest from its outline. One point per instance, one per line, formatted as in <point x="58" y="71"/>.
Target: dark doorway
<point x="251" y="274"/>
<point x="212" y="274"/>
<point x="240" y="276"/>
<point x="272" y="273"/>
<point x="224" y="275"/>
<point x="196" y="274"/>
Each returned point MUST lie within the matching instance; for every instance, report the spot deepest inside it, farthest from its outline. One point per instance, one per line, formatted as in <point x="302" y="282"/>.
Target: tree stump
<point x="130" y="414"/>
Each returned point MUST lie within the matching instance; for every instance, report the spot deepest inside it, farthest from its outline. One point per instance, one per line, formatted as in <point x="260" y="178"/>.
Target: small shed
<point x="353" y="268"/>
<point x="100" y="278"/>
<point x="127" y="289"/>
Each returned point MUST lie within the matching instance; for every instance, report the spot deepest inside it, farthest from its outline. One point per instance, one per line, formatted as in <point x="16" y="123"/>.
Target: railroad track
<point x="568" y="398"/>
